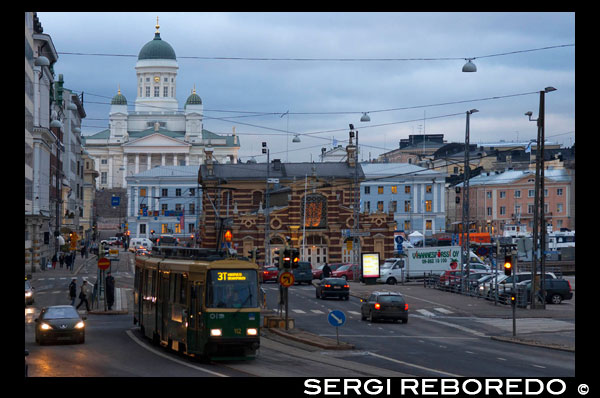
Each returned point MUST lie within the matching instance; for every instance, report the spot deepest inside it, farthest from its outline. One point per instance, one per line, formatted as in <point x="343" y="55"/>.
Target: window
<point x="559" y="191"/>
<point x="488" y="194"/>
<point x="407" y="206"/>
<point x="103" y="177"/>
<point x="428" y="188"/>
<point x="428" y="225"/>
<point x="502" y="210"/>
<point x="517" y="209"/>
<point x="147" y="79"/>
<point x="142" y="191"/>
<point x="140" y="91"/>
<point x="156" y="91"/>
<point x="380" y="206"/>
<point x="531" y="193"/>
<point x="367" y="207"/>
<point x="165" y="192"/>
<point x="166" y="80"/>
<point x="407" y="189"/>
<point x="177" y="228"/>
<point x="192" y="191"/>
<point x="502" y="194"/>
<point x="164" y="228"/>
<point x="559" y="207"/>
<point x="172" y="92"/>
<point x="392" y="206"/>
<point x="489" y="211"/>
<point x="142" y="228"/>
<point x="407" y="225"/>
<point x="147" y="91"/>
<point x="315" y="211"/>
<point x="191" y="228"/>
<point x="394" y="189"/>
<point x="178" y="206"/>
<point x="166" y="92"/>
<point x="428" y="205"/>
<point x="367" y="190"/>
<point x="192" y="208"/>
<point x="177" y="191"/>
<point x="517" y="193"/>
<point x="530" y="209"/>
<point x="380" y="190"/>
<point x="104" y="161"/>
<point x="163" y="208"/>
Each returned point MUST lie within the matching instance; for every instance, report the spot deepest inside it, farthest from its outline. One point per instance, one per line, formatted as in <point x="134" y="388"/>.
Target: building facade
<point x="156" y="132"/>
<point x="311" y="203"/>
<point x="166" y="200"/>
<point x="415" y="196"/>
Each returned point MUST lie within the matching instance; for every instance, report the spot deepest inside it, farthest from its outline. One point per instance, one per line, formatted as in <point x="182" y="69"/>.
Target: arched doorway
<point x="315" y="250"/>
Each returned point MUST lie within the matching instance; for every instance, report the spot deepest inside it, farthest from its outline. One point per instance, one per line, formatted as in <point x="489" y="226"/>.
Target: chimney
<point x="208" y="152"/>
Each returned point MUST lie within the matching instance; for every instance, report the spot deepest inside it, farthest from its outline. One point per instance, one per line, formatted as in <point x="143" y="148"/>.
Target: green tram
<point x="198" y="302"/>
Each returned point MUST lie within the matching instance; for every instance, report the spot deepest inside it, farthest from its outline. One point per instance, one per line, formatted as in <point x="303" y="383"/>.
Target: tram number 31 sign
<point x="286" y="279"/>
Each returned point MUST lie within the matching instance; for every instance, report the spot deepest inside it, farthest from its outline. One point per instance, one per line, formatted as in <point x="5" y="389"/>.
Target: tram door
<point x="194" y="316"/>
<point x="163" y="308"/>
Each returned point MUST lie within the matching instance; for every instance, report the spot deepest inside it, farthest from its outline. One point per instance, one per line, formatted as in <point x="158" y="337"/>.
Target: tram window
<point x="183" y="290"/>
<point x="232" y="289"/>
<point x="172" y="280"/>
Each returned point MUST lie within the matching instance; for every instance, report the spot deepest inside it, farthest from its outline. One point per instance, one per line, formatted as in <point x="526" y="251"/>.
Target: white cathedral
<point x="156" y="133"/>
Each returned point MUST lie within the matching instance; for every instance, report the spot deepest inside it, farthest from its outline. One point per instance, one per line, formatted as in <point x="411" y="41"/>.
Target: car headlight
<point x="45" y="326"/>
<point x="28" y="294"/>
<point x="216" y="332"/>
<point x="80" y="325"/>
<point x="251" y="332"/>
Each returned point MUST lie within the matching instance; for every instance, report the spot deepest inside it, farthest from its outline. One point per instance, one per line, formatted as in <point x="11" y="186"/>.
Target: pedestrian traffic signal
<point x="508" y="265"/>
<point x="295" y="258"/>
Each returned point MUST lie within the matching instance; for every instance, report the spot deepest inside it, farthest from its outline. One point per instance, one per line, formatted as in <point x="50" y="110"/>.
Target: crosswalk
<point x="430" y="313"/>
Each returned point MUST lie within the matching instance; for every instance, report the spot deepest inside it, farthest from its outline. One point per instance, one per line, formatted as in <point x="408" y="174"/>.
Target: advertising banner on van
<point x="370" y="265"/>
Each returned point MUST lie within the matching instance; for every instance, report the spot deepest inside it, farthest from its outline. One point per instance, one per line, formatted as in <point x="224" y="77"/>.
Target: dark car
<point x="384" y="305"/>
<point x="303" y="273"/>
<point x="333" y="287"/>
<point x="167" y="240"/>
<point x="557" y="290"/>
<point x="318" y="272"/>
<point x="28" y="293"/>
<point x="269" y="274"/>
<point x="59" y="323"/>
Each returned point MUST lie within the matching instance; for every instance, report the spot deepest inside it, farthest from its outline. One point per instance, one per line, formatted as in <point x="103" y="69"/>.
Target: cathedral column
<point x="163" y="161"/>
<point x="137" y="163"/>
<point x="187" y="160"/>
<point x="174" y="159"/>
<point x="149" y="156"/>
<point x="124" y="170"/>
<point x="110" y="171"/>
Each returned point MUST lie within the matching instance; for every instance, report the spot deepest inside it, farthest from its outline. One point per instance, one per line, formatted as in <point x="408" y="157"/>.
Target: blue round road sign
<point x="336" y="318"/>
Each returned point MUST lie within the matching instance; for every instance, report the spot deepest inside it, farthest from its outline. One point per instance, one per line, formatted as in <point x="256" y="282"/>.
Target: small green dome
<point x="119" y="99"/>
<point x="193" y="99"/>
<point x="157" y="49"/>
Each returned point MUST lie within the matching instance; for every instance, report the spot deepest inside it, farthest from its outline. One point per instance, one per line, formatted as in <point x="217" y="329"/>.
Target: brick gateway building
<point x="237" y="192"/>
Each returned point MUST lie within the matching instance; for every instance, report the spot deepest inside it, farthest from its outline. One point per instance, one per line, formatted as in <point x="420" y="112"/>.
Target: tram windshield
<point x="232" y="289"/>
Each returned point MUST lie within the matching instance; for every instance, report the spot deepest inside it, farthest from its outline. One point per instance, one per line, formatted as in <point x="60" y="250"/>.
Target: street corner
<point x="304" y="337"/>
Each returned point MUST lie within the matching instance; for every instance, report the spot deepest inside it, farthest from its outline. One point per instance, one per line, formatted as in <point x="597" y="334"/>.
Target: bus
<point x="198" y="302"/>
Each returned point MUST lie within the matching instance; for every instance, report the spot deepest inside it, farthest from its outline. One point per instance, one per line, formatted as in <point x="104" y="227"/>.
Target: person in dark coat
<point x="73" y="290"/>
<point x="54" y="259"/>
<point x="110" y="290"/>
<point x="326" y="271"/>
<point x="68" y="260"/>
<point x="61" y="259"/>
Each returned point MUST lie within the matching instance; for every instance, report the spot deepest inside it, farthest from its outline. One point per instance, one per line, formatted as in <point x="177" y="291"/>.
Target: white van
<point x="136" y="243"/>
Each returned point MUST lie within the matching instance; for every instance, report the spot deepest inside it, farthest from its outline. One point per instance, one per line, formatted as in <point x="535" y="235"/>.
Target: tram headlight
<point x="216" y="332"/>
<point x="251" y="331"/>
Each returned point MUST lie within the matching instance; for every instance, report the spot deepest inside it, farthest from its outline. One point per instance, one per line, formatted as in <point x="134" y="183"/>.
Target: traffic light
<point x="287" y="258"/>
<point x="278" y="259"/>
<point x="508" y="265"/>
<point x="513" y="298"/>
<point x="295" y="258"/>
<point x="253" y="254"/>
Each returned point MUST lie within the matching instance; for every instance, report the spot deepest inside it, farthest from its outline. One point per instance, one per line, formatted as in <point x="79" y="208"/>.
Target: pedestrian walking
<point x="83" y="296"/>
<point x="73" y="290"/>
<point x="68" y="260"/>
<point x="110" y="290"/>
<point x="54" y="261"/>
<point x="61" y="259"/>
<point x="326" y="271"/>
<point x="82" y="251"/>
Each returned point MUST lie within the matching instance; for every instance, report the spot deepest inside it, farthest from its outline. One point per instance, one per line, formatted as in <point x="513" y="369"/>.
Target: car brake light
<point x="347" y="286"/>
<point x="377" y="306"/>
<point x="327" y="285"/>
<point x="569" y="285"/>
<point x="405" y="307"/>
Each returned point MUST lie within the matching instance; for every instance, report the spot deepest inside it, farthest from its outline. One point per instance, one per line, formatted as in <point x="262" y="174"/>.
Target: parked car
<point x="346" y="271"/>
<point x="333" y="287"/>
<point x="113" y="240"/>
<point x="167" y="240"/>
<point x="318" y="271"/>
<point x="29" y="299"/>
<point x="303" y="273"/>
<point x="384" y="305"/>
<point x="557" y="290"/>
<point x="59" y="323"/>
<point x="269" y="274"/>
<point x="142" y="251"/>
<point x="137" y="243"/>
<point x="505" y="283"/>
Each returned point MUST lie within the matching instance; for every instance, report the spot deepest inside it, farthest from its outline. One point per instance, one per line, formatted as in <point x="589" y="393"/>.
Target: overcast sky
<point x="324" y="96"/>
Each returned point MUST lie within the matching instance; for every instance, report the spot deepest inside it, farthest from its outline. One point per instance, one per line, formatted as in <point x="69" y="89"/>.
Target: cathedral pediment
<point x="154" y="141"/>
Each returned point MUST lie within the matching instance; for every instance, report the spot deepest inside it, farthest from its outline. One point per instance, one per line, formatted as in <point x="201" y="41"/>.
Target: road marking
<point x="538" y="366"/>
<point x="414" y="366"/>
<point x="443" y="310"/>
<point x="426" y="313"/>
<point x="130" y="334"/>
<point x="299" y="311"/>
<point x="317" y="311"/>
<point x="57" y="291"/>
<point x="354" y="312"/>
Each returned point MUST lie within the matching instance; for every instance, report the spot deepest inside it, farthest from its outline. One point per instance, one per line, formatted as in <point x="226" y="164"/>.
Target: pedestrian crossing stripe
<point x="317" y="311"/>
<point x="443" y="310"/>
<point x="354" y="313"/>
<point x="426" y="313"/>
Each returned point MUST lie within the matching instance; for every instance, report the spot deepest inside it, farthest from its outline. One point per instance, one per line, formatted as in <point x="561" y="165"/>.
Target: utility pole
<point x="466" y="255"/>
<point x="265" y="150"/>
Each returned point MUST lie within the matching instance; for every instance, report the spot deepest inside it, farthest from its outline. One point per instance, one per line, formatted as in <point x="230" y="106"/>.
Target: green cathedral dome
<point x="119" y="99"/>
<point x="157" y="49"/>
<point x="193" y="99"/>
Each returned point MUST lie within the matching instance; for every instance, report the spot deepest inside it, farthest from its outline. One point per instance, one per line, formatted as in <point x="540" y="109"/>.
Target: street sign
<point x="103" y="263"/>
<point x="348" y="233"/>
<point x="115" y="201"/>
<point x="273" y="180"/>
<point x="336" y="318"/>
<point x="286" y="279"/>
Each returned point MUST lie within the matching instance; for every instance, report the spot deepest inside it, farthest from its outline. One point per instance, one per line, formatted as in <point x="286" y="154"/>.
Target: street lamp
<point x="469" y="66"/>
<point x="365" y="117"/>
<point x="539" y="225"/>
<point x="465" y="214"/>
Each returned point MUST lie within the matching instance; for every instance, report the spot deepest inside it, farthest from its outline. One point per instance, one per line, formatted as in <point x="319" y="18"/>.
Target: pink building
<point x="500" y="198"/>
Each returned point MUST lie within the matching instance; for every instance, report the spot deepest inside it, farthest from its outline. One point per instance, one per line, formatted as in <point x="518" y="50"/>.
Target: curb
<point x="533" y="343"/>
<point x="306" y="340"/>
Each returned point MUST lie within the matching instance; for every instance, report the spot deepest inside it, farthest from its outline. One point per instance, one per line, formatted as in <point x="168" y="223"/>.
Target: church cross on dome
<point x="157" y="25"/>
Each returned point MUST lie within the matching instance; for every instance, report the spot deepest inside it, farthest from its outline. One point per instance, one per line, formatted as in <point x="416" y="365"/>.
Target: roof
<point x="395" y="169"/>
<point x="157" y="49"/>
<point x="170" y="171"/>
<point x="511" y="176"/>
<point x="229" y="139"/>
<point x="287" y="171"/>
